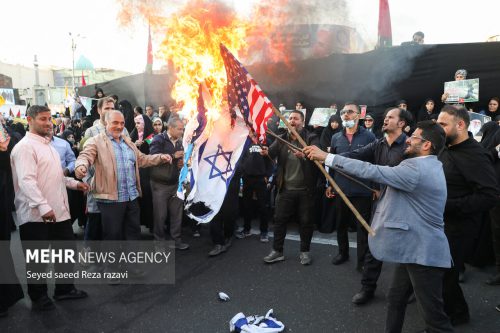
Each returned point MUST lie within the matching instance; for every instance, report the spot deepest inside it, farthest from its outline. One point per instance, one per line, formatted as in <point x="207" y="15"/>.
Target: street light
<point x="73" y="48"/>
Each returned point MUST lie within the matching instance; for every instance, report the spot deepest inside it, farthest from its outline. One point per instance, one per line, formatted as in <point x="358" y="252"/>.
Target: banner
<point x="463" y="91"/>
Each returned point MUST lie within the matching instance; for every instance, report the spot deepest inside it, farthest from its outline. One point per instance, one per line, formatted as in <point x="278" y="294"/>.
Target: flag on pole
<point x="149" y="139"/>
<point x="83" y="80"/>
<point x="245" y="94"/>
<point x="18" y="115"/>
<point x="149" y="64"/>
<point x="384" y="25"/>
<point x="213" y="164"/>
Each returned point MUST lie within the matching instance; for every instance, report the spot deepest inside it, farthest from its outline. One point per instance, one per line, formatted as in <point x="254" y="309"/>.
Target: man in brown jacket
<point x="116" y="183"/>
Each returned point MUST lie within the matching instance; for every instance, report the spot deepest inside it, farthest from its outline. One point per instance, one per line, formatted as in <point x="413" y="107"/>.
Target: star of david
<point x="212" y="159"/>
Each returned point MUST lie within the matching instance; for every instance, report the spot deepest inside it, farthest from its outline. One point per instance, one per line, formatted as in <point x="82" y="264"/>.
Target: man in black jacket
<point x="388" y="150"/>
<point x="296" y="182"/>
<point x="164" y="182"/>
<point x="256" y="171"/>
<point x="472" y="190"/>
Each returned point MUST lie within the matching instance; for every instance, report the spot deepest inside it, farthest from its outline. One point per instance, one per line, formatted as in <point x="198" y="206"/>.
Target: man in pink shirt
<point x="42" y="202"/>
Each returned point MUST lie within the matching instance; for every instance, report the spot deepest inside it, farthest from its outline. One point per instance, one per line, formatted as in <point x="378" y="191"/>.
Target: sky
<point x="42" y="27"/>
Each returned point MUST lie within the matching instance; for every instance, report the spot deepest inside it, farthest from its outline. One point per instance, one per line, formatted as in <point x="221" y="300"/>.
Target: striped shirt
<point x="125" y="169"/>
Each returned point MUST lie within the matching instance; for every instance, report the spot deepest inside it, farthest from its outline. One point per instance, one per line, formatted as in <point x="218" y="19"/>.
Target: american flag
<point x="243" y="92"/>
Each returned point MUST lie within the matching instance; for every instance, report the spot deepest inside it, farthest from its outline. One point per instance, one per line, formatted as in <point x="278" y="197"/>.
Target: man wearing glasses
<point x="351" y="138"/>
<point x="408" y="223"/>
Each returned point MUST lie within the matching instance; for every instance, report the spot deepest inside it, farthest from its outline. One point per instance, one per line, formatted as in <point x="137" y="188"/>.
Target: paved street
<point x="306" y="299"/>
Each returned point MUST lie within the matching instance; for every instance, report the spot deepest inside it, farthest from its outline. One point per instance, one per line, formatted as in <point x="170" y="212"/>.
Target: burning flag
<point x="245" y="94"/>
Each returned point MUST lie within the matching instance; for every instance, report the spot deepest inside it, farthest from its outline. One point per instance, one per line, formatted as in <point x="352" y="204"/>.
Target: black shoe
<point x="494" y="280"/>
<point x="73" y="294"/>
<point x="457" y="320"/>
<point x="181" y="246"/>
<point x="44" y="303"/>
<point x="218" y="249"/>
<point x="339" y="259"/>
<point x="362" y="297"/>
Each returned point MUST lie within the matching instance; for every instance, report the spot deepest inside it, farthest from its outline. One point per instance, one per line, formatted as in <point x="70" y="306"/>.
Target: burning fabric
<point x="256" y="324"/>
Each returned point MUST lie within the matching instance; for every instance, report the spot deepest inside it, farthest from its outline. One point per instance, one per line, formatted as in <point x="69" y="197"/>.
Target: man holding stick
<point x="409" y="224"/>
<point x="296" y="181"/>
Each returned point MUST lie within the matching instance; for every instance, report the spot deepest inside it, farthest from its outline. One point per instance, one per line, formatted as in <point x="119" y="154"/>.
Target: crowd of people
<point x="429" y="190"/>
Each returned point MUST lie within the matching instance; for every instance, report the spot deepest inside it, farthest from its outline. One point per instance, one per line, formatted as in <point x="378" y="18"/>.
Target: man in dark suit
<point x="408" y="223"/>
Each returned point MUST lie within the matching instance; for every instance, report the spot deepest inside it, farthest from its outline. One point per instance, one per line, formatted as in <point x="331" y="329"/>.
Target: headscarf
<point x="140" y="131"/>
<point x="490" y="133"/>
<point x="326" y="136"/>
<point x="462" y="72"/>
<point x="147" y="131"/>
<point x="155" y="119"/>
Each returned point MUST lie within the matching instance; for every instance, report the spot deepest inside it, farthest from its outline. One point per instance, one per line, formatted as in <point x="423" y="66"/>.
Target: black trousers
<point x="426" y="282"/>
<point x="39" y="231"/>
<point x="453" y="296"/>
<point x="120" y="220"/>
<point x="222" y="225"/>
<point x="258" y="185"/>
<point x="345" y="217"/>
<point x="291" y="204"/>
<point x="371" y="272"/>
<point x="495" y="232"/>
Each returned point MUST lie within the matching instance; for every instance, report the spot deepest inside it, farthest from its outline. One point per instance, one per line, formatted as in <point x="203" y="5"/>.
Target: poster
<point x="463" y="91"/>
<point x="321" y="116"/>
<point x="477" y="121"/>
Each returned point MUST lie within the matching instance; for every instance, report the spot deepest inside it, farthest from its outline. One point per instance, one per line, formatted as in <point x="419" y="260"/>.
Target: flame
<point x="192" y="40"/>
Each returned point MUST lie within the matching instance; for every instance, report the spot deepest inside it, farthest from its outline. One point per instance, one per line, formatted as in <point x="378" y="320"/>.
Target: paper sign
<point x="463" y="91"/>
<point x="321" y="116"/>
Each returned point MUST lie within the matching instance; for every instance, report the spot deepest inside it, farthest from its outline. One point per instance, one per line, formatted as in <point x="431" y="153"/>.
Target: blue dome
<point x="84" y="64"/>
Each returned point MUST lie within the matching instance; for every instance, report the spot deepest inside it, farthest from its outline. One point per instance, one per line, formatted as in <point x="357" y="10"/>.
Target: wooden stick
<point x="327" y="175"/>
<point x="292" y="146"/>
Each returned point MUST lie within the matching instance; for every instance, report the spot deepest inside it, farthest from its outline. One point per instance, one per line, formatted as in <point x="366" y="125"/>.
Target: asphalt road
<point x="309" y="299"/>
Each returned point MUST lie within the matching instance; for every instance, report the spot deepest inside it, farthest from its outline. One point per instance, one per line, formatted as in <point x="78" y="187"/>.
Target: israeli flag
<point x="213" y="162"/>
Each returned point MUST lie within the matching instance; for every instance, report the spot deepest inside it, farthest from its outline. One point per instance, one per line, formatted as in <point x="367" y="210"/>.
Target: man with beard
<point x="472" y="190"/>
<point x="42" y="203"/>
<point x="388" y="150"/>
<point x="408" y="223"/>
<point x="296" y="182"/>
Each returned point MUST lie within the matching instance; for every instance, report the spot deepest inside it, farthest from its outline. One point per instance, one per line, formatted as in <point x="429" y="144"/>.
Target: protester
<point x="408" y="224"/>
<point x="128" y="112"/>
<point x="41" y="201"/>
<point x="335" y="126"/>
<point x="99" y="93"/>
<point x="256" y="170"/>
<point x="164" y="114"/>
<point x="351" y="138"/>
<point x="369" y="124"/>
<point x="427" y="111"/>
<point x="158" y="126"/>
<point x="491" y="141"/>
<point x="492" y="108"/>
<point x="417" y="39"/>
<point x="9" y="293"/>
<point x="296" y="181"/>
<point x="116" y="184"/>
<point x="222" y="225"/>
<point x="388" y="150"/>
<point x="149" y="111"/>
<point x="138" y="111"/>
<point x="164" y="183"/>
<point x="142" y="136"/>
<point x="472" y="190"/>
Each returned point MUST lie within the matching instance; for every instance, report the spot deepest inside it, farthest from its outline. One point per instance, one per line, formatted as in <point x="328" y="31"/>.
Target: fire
<point x="192" y="43"/>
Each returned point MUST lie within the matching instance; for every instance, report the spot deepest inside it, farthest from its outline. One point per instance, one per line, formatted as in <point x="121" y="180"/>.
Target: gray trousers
<point x="165" y="201"/>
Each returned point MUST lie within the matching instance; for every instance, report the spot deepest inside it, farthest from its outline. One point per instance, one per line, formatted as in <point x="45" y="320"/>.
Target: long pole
<point x="327" y="175"/>
<point x="294" y="147"/>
